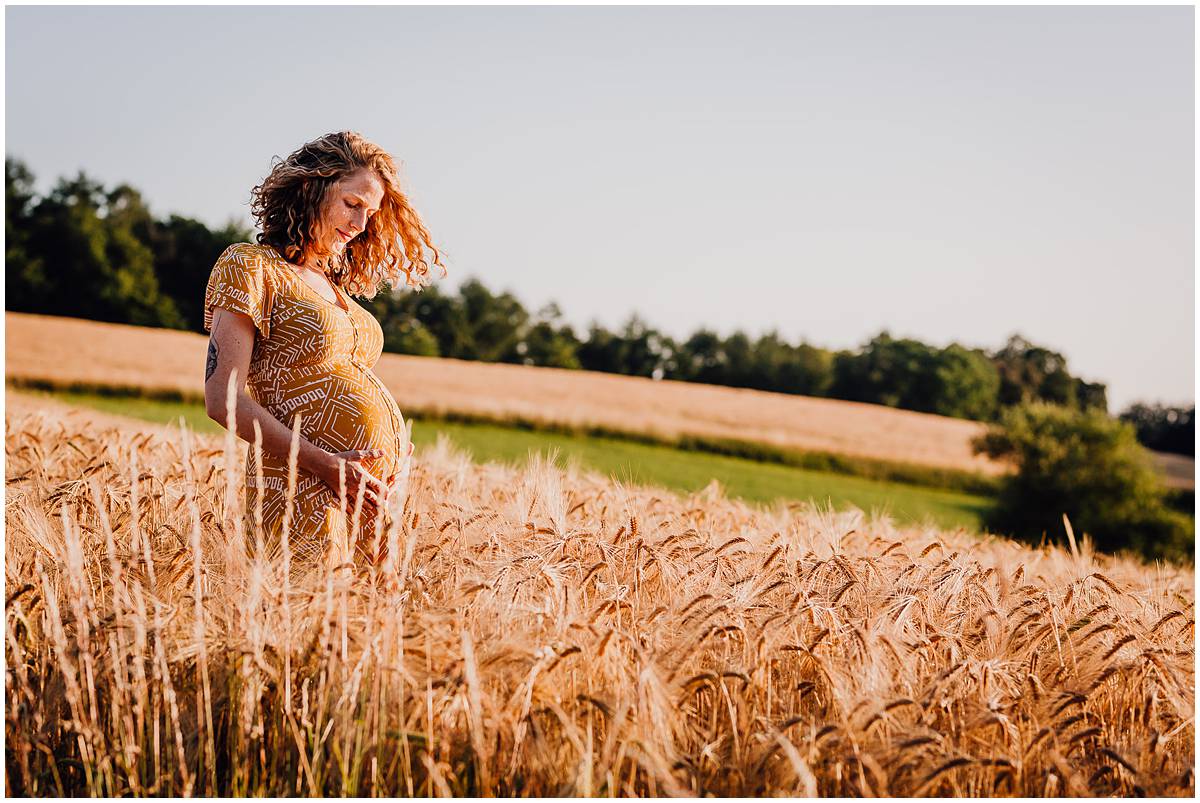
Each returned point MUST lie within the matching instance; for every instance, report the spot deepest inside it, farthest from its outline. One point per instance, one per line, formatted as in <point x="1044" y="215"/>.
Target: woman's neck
<point x="314" y="264"/>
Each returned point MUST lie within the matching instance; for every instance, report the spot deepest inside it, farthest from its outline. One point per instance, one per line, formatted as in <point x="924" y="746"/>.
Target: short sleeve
<point x="239" y="282"/>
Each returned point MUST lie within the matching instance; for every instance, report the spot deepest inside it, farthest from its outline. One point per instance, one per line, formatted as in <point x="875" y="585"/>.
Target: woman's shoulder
<point x="258" y="263"/>
<point x="242" y="280"/>
<point x="248" y="266"/>
<point x="250" y="254"/>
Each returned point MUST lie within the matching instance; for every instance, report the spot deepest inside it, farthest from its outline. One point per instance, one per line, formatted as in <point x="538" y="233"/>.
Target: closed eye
<point x="358" y="204"/>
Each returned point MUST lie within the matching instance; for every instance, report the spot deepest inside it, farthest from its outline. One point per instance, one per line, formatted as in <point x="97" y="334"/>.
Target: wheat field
<point x="543" y="631"/>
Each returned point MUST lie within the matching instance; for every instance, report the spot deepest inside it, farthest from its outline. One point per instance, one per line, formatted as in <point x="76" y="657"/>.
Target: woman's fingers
<point x="372" y="488"/>
<point x="377" y="486"/>
<point x="370" y="502"/>
<point x="362" y="483"/>
<point x="358" y="455"/>
<point x="364" y="476"/>
<point x="369" y="494"/>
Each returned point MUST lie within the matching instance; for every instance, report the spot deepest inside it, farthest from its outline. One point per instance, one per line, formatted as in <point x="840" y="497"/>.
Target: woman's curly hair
<point x="287" y="207"/>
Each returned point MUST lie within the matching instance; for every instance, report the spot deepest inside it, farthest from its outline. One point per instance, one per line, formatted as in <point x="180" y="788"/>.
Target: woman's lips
<point x="345" y="236"/>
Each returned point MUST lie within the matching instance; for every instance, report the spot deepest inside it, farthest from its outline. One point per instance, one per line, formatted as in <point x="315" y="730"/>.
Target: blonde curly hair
<point x="287" y="208"/>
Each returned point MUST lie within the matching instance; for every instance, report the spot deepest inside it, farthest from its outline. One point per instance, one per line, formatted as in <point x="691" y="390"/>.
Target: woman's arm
<point x="229" y="349"/>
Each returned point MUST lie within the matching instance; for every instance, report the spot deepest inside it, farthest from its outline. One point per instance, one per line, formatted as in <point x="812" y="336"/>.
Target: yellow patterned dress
<point x="313" y="358"/>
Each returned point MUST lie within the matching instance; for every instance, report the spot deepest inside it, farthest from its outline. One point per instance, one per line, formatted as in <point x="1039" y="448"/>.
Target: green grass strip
<point x="631" y="463"/>
<point x="828" y="462"/>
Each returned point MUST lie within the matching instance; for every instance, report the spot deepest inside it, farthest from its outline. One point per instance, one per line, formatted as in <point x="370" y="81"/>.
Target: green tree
<point x="409" y="337"/>
<point x="896" y="373"/>
<point x="602" y="350"/>
<point x="403" y="331"/>
<point x="802" y="369"/>
<point x="548" y="342"/>
<point x="89" y="252"/>
<point x="737" y="369"/>
<point x="637" y="350"/>
<point x="772" y="355"/>
<point x="1091" y="395"/>
<point x="495" y="323"/>
<point x="184" y="253"/>
<point x="1163" y="428"/>
<point x="964" y="384"/>
<point x="768" y="363"/>
<point x="442" y="315"/>
<point x="1091" y="468"/>
<point x="644" y="350"/>
<point x="905" y="373"/>
<point x="1033" y="373"/>
<point x="700" y="358"/>
<point x="28" y="287"/>
<point x="97" y="265"/>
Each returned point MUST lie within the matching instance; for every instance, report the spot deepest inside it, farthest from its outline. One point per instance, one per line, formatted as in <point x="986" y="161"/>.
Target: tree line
<point x="83" y="250"/>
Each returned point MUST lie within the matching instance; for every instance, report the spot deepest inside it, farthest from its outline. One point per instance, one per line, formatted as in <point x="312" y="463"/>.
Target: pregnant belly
<point x="347" y="409"/>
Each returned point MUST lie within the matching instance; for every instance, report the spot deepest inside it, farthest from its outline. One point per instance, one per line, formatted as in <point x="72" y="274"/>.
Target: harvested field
<point x="1176" y="470"/>
<point x="65" y="350"/>
<point x="545" y="632"/>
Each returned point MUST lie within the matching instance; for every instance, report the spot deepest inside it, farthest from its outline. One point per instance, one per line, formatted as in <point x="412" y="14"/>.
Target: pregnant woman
<point x="333" y="222"/>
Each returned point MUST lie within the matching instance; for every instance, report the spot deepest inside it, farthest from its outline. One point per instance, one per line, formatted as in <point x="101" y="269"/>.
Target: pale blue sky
<point x="950" y="174"/>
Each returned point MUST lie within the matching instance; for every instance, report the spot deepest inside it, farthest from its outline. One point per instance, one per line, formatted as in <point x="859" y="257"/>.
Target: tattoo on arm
<point x="211" y="365"/>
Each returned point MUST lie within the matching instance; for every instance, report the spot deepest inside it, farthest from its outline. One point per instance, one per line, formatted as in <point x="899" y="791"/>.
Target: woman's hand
<point x="374" y="489"/>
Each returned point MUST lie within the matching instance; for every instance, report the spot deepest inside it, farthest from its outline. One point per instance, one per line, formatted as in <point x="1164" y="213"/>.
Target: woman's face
<point x="348" y="205"/>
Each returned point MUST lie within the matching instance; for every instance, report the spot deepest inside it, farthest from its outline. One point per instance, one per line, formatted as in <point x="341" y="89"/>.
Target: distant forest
<point x="87" y="251"/>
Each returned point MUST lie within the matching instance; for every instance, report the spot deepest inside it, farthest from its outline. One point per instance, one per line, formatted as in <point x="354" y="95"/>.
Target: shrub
<point x="1091" y="468"/>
